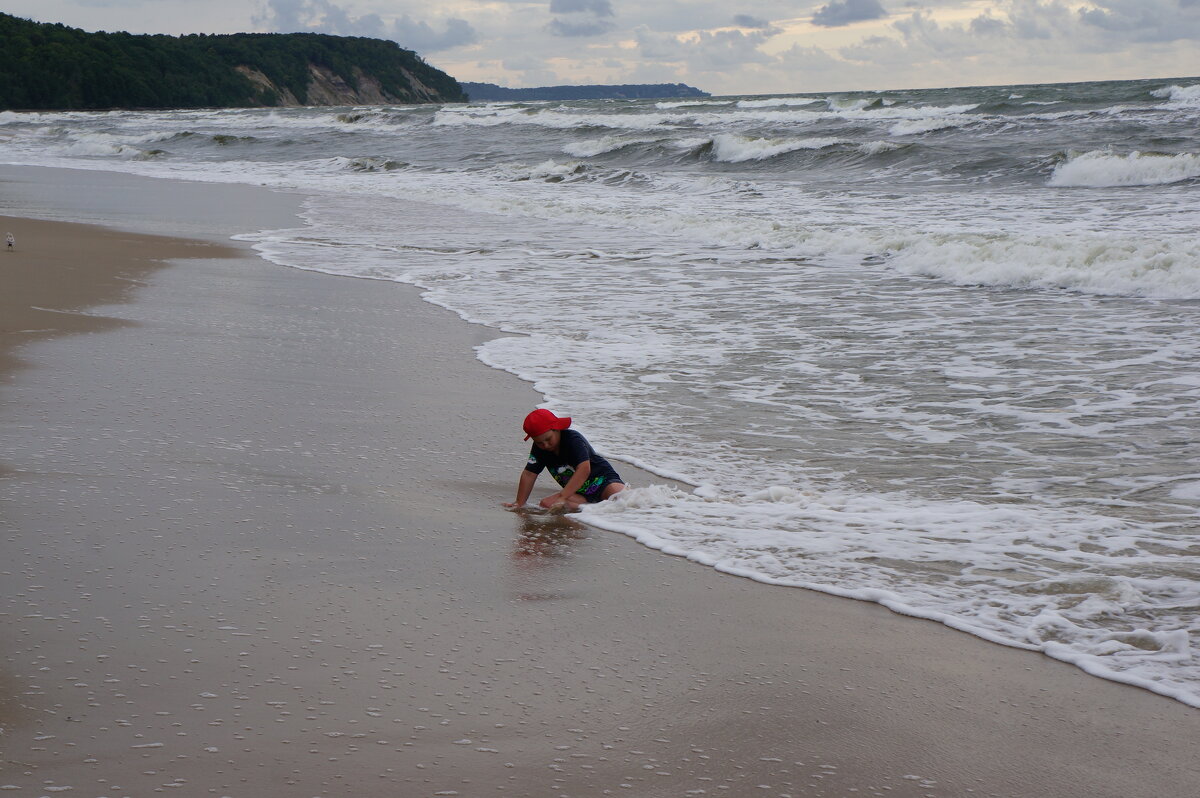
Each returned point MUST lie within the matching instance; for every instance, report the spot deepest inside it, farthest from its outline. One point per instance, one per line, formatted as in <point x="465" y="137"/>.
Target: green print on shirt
<point x="564" y="473"/>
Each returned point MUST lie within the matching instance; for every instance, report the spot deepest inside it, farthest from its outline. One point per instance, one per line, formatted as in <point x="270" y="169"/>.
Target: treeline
<point x="637" y="91"/>
<point x="51" y="66"/>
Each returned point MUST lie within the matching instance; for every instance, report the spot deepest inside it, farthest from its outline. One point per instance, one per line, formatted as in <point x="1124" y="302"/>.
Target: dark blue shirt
<point x="573" y="449"/>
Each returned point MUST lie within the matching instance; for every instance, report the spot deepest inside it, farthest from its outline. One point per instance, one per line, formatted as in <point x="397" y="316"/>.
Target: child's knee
<point x="612" y="489"/>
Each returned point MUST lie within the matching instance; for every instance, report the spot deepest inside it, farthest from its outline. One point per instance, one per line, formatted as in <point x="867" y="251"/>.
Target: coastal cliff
<point x="326" y="87"/>
<point x="54" y="67"/>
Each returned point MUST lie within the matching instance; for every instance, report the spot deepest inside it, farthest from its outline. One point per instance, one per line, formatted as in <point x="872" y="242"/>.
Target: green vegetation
<point x="52" y="66"/>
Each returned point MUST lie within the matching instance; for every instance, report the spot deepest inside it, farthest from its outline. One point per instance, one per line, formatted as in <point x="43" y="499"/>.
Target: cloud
<point x="420" y="36"/>
<point x="705" y="51"/>
<point x="601" y="8"/>
<point x="717" y="45"/>
<point x="107" y="3"/>
<point x="747" y="21"/>
<point x="1145" y="20"/>
<point x="575" y="26"/>
<point x="845" y="12"/>
<point x="532" y="70"/>
<point x="597" y="27"/>
<point x="1033" y="41"/>
<point x="322" y="16"/>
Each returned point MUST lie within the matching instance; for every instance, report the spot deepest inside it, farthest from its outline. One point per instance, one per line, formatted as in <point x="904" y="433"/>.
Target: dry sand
<point x="252" y="546"/>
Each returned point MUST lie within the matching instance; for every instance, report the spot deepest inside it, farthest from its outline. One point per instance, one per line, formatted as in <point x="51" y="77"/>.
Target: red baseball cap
<point x="541" y="420"/>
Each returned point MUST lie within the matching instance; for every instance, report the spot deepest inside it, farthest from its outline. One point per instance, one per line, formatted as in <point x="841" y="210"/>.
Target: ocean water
<point x="935" y="349"/>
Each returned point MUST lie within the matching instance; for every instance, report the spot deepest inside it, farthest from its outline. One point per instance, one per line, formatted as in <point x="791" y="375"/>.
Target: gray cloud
<point x="707" y="52"/>
<point x="596" y="27"/>
<point x="845" y="12"/>
<point x="717" y="45"/>
<point x="322" y="16"/>
<point x="989" y="26"/>
<point x="106" y="3"/>
<point x="532" y="70"/>
<point x="747" y="21"/>
<point x="1145" y="20"/>
<point x="1034" y="41"/>
<point x="576" y="25"/>
<point x="601" y="8"/>
<point x="420" y="36"/>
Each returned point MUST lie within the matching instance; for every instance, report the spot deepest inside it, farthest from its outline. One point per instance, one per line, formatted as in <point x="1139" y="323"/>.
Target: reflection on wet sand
<point x="544" y="545"/>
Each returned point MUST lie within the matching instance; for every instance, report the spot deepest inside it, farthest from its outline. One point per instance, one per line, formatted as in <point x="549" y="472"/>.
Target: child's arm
<point x="524" y="488"/>
<point x="582" y="472"/>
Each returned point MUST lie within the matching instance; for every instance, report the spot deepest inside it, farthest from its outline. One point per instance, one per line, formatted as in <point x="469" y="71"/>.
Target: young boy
<point x="584" y="475"/>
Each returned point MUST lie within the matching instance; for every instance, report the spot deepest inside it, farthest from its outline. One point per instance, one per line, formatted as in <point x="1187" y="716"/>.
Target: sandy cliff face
<point x="327" y="88"/>
<point x="264" y="83"/>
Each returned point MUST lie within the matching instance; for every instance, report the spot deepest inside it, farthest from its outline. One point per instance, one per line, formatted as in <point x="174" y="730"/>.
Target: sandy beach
<point x="253" y="546"/>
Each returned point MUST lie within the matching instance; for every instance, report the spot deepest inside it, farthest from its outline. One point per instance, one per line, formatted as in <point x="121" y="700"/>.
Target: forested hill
<point x="490" y="91"/>
<point x="50" y="66"/>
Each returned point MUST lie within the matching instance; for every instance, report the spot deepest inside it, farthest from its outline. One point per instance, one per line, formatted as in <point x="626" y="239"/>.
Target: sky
<point x="720" y="46"/>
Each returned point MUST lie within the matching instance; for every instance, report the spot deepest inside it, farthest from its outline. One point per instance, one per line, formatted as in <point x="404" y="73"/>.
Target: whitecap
<point x="1179" y="96"/>
<point x="777" y="102"/>
<point x="878" y="147"/>
<point x="917" y="127"/>
<point x="1091" y="264"/>
<point x="690" y="104"/>
<point x="589" y="148"/>
<point x="733" y="148"/>
<point x="488" y="116"/>
<point x="1101" y="168"/>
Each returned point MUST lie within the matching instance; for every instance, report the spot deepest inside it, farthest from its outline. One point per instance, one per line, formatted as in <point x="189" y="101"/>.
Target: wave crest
<point x="777" y="102"/>
<point x="1179" y="95"/>
<point x="590" y="148"/>
<point x="732" y="148"/>
<point x="1102" y="169"/>
<point x="1097" y="265"/>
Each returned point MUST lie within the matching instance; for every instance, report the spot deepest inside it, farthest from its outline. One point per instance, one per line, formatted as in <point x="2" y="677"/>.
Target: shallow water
<point x="935" y="349"/>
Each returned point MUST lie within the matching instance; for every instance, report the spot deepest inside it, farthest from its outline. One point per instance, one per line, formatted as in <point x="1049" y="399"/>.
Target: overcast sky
<point x="721" y="46"/>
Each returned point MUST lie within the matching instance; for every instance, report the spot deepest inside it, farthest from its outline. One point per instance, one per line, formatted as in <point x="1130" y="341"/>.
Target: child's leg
<point x="612" y="489"/>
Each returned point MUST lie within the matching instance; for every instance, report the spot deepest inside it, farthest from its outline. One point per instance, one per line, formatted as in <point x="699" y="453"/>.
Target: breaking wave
<point x="1180" y="96"/>
<point x="731" y="148"/>
<point x="778" y="102"/>
<point x="1102" y="169"/>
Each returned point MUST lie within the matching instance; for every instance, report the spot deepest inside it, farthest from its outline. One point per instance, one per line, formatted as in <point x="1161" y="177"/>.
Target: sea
<point x="936" y="349"/>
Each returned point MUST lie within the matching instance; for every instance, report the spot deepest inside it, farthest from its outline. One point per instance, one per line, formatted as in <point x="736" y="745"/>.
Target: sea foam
<point x="1106" y="169"/>
<point x="777" y="102"/>
<point x="929" y="380"/>
<point x="1180" y="96"/>
<point x="731" y="148"/>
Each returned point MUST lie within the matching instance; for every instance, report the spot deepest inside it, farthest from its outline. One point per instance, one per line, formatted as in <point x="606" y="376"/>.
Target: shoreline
<point x="248" y="556"/>
<point x="58" y="271"/>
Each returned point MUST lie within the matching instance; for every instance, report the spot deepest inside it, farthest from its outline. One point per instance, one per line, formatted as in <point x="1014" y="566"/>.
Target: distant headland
<point x="637" y="91"/>
<point x="47" y="66"/>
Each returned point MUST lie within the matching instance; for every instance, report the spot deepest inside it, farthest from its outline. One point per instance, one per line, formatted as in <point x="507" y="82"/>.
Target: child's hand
<point x="510" y="505"/>
<point x="553" y="500"/>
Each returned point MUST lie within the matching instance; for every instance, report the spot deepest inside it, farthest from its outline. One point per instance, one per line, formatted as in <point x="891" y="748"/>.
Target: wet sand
<point x="252" y="546"/>
<point x="55" y="272"/>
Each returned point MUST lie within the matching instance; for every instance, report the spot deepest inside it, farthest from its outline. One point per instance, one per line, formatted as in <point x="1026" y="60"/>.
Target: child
<point x="10" y="241"/>
<point x="584" y="475"/>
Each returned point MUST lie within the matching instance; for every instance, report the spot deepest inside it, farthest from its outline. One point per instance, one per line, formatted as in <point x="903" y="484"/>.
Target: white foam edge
<point x="889" y="600"/>
<point x="884" y="598"/>
<point x="481" y="353"/>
